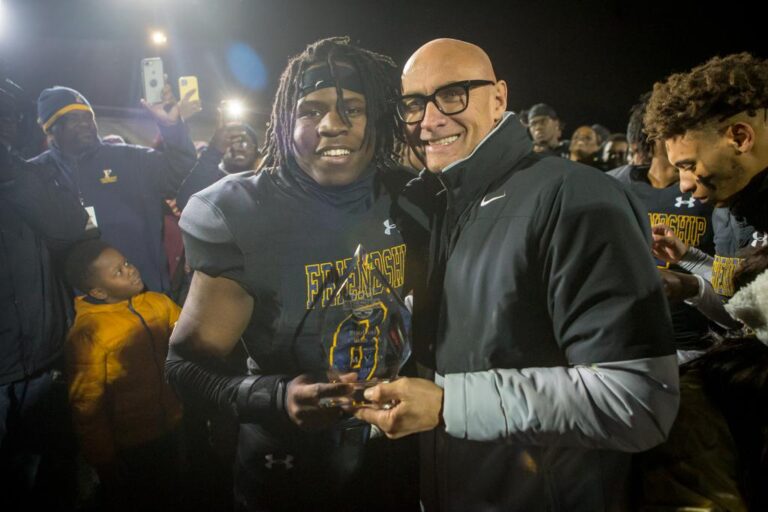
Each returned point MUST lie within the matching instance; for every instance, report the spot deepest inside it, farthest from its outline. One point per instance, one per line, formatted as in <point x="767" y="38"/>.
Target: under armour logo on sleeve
<point x="286" y="462"/>
<point x="389" y="226"/>
<point x="759" y="239"/>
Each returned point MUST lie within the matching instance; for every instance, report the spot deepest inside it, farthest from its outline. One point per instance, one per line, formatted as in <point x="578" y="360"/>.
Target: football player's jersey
<point x="734" y="240"/>
<point x="690" y="219"/>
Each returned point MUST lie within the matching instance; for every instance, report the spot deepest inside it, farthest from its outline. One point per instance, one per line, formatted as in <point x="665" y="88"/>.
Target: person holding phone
<point x="121" y="186"/>
<point x="261" y="244"/>
<point x="233" y="148"/>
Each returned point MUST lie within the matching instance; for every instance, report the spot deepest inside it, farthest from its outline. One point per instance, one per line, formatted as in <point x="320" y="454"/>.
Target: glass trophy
<point x="365" y="329"/>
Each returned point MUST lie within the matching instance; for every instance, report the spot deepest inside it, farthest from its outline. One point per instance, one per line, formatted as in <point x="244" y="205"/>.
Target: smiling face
<point x="325" y="147"/>
<point x="440" y="139"/>
<point x="708" y="165"/>
<point x="114" y="278"/>
<point x="242" y="153"/>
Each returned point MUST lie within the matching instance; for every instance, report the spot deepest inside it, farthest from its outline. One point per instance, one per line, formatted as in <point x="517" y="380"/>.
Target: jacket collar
<point x="493" y="158"/>
<point x="59" y="156"/>
<point x="84" y="304"/>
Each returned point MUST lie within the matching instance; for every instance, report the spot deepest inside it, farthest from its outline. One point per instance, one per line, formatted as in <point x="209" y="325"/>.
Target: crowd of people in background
<point x="595" y="340"/>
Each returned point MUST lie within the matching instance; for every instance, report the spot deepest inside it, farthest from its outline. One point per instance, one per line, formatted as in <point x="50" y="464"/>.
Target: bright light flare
<point x="234" y="109"/>
<point x="158" y="38"/>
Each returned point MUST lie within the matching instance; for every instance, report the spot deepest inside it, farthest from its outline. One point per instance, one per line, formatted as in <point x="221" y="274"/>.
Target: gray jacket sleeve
<point x="697" y="262"/>
<point x="621" y="405"/>
<point x="710" y="304"/>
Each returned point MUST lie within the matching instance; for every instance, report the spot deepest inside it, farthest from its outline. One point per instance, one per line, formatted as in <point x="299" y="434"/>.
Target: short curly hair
<point x="78" y="263"/>
<point x="713" y="91"/>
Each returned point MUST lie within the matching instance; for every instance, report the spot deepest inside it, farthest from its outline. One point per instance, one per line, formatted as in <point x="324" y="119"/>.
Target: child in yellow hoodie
<point x="125" y="414"/>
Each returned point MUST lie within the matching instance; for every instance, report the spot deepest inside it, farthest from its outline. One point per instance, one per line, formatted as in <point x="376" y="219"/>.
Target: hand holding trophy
<point x="372" y="339"/>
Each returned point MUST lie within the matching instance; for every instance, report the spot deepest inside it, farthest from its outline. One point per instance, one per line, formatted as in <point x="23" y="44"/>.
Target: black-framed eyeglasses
<point x="449" y="99"/>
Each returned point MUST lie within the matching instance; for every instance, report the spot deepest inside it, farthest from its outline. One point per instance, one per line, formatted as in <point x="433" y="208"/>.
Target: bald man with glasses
<point x="541" y="311"/>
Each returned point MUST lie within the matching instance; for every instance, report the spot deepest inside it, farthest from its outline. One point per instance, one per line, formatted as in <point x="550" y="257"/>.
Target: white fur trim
<point x="750" y="306"/>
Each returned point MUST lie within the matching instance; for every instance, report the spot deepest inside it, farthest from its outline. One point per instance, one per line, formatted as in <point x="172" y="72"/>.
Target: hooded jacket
<point x="115" y="356"/>
<point x="553" y="338"/>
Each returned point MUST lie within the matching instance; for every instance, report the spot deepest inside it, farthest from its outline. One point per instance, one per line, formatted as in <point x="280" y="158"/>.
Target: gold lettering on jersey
<point x="688" y="228"/>
<point x="722" y="274"/>
<point x="362" y="284"/>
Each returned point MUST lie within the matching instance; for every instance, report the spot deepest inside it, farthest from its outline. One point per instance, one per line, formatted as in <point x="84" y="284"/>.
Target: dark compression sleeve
<point x="249" y="398"/>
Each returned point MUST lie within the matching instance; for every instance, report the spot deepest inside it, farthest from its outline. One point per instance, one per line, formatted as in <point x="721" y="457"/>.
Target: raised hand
<point x="165" y="113"/>
<point x="666" y="245"/>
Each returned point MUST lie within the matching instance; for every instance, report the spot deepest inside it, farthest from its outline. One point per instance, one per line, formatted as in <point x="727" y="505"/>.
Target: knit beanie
<point x="57" y="101"/>
<point x="750" y="306"/>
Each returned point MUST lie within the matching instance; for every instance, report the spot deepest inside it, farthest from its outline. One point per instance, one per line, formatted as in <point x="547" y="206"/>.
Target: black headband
<point x="319" y="77"/>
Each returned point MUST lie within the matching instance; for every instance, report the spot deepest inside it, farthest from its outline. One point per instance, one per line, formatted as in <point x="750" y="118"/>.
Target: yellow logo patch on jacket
<point x="108" y="178"/>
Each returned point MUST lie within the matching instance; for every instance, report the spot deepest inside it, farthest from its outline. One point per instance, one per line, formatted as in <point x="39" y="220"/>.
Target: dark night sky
<point x="589" y="59"/>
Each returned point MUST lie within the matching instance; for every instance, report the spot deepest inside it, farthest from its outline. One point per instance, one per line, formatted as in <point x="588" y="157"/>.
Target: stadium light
<point x="159" y="38"/>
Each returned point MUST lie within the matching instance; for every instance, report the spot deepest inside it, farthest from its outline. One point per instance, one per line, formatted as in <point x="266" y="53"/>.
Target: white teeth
<point x="335" y="152"/>
<point x="444" y="141"/>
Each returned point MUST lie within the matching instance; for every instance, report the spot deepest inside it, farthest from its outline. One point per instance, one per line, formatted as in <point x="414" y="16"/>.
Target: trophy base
<point x="356" y="399"/>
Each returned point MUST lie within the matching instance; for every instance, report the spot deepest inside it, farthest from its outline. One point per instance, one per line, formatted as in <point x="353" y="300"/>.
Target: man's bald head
<point x="466" y="59"/>
<point x="441" y="139"/>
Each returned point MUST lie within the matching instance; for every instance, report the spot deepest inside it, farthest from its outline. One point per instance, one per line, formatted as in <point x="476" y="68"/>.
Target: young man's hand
<point x="302" y="401"/>
<point x="223" y="137"/>
<point x="666" y="245"/>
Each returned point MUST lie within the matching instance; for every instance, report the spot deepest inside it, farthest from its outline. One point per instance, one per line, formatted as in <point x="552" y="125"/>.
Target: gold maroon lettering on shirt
<point x="722" y="274"/>
<point x="688" y="228"/>
<point x="362" y="284"/>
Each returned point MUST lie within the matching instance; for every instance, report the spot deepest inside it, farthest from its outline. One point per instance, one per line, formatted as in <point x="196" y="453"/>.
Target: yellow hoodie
<point x="115" y="359"/>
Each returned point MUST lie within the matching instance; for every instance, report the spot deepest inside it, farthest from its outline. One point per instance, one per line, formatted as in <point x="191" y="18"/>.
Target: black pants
<point x="320" y="473"/>
<point x="38" y="468"/>
<point x="147" y="479"/>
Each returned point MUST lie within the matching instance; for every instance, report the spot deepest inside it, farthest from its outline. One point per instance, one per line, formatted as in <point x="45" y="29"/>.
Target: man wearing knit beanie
<point x="121" y="186"/>
<point x="56" y="102"/>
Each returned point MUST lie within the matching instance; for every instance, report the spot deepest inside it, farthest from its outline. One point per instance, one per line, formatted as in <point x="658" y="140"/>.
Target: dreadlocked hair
<point x="635" y="133"/>
<point x="715" y="90"/>
<point x="378" y="75"/>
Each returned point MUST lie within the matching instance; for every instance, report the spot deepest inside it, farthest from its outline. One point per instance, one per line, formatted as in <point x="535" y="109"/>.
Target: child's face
<point x="114" y="278"/>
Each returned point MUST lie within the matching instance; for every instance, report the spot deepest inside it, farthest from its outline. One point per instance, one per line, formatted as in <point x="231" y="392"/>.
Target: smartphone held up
<point x="153" y="79"/>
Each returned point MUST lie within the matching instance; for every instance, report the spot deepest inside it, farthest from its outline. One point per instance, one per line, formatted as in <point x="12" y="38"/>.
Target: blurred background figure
<point x="546" y="129"/>
<point x="585" y="147"/>
<point x="39" y="220"/>
<point x="615" y="151"/>
<point x="234" y="147"/>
